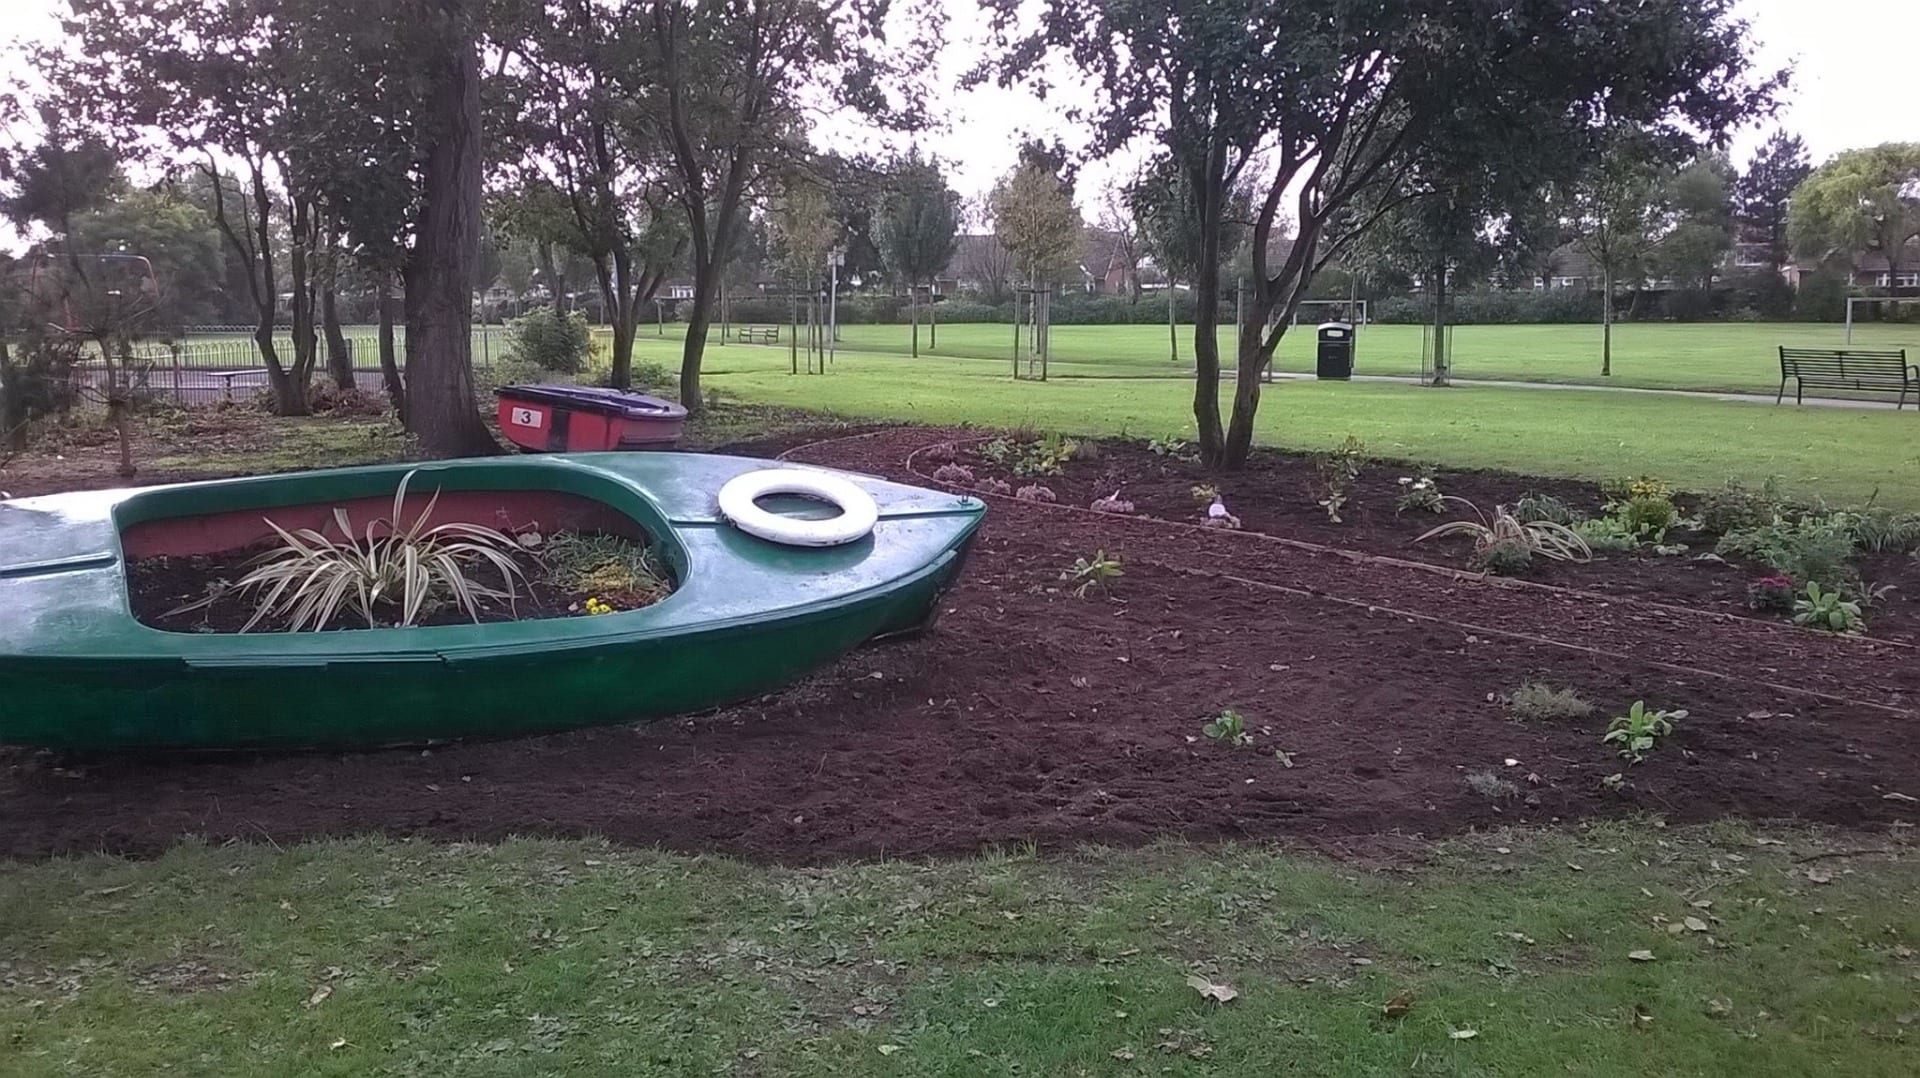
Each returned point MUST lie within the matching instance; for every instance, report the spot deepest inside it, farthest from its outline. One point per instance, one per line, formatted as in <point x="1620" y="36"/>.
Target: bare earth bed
<point x="1030" y="714"/>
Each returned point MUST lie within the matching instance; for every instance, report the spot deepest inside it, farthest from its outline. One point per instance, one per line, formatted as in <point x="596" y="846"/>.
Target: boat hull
<point x="749" y="619"/>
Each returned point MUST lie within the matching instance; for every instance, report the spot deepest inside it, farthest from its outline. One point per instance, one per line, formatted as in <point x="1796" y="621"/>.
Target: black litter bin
<point x="1336" y="350"/>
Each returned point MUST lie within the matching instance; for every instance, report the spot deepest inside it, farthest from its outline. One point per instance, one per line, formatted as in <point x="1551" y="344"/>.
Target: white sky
<point x="1854" y="85"/>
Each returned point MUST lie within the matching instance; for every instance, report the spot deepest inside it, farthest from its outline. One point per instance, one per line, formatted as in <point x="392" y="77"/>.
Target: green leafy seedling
<point x="1639" y="730"/>
<point x="1096" y="572"/>
<point x="1229" y="728"/>
<point x="1827" y="611"/>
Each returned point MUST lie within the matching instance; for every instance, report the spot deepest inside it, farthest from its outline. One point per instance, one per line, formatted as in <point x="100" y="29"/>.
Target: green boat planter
<point x="77" y="671"/>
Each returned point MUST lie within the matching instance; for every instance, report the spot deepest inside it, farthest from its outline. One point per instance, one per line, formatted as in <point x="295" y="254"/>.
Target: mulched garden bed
<point x="1033" y="715"/>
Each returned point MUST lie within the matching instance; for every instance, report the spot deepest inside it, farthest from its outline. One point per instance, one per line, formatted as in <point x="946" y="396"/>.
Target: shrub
<point x="1827" y="611"/>
<point x="1811" y="548"/>
<point x="1503" y="557"/>
<point x="1537" y="701"/>
<point x="990" y="485"/>
<point x="1544" y="507"/>
<point x="1112" y="503"/>
<point x="1736" y="506"/>
<point x="1773" y="594"/>
<point x="1648" y="515"/>
<point x="958" y="475"/>
<point x="550" y="341"/>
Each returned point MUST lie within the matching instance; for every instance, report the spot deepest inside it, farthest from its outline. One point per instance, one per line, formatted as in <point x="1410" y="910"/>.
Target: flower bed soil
<point x="1029" y="714"/>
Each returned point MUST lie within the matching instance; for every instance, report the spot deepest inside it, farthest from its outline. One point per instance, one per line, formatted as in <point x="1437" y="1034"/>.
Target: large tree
<point x="1693" y="249"/>
<point x="1862" y="201"/>
<point x="918" y="229"/>
<point x="561" y="100"/>
<point x="1034" y="216"/>
<point x="1340" y="99"/>
<point x="729" y="86"/>
<point x="1765" y="191"/>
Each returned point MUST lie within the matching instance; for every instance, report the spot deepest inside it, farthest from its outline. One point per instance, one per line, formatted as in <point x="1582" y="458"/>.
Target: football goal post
<point x="1851" y="300"/>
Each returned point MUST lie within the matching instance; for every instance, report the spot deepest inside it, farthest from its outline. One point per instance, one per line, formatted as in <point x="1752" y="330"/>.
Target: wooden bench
<point x="758" y="334"/>
<point x="1845" y="368"/>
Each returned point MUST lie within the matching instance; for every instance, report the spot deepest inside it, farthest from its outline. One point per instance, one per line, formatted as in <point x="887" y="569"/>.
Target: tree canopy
<point x="1862" y="200"/>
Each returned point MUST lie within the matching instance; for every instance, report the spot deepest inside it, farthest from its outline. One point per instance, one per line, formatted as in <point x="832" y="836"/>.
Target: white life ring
<point x="858" y="513"/>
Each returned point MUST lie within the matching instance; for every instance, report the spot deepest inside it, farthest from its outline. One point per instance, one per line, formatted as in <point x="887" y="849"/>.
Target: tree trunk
<point x="1252" y="354"/>
<point x="13" y="414"/>
<point x="339" y="353"/>
<point x="306" y="338"/>
<point x="913" y="319"/>
<point x="933" y="328"/>
<point x="1442" y="362"/>
<point x="1173" y="327"/>
<point x="550" y="269"/>
<point x="1606" y="321"/>
<point x="389" y="359"/>
<point x="440" y="399"/>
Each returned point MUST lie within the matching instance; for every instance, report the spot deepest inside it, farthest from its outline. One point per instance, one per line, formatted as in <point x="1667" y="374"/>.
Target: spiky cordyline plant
<point x="311" y="577"/>
<point x="1542" y="537"/>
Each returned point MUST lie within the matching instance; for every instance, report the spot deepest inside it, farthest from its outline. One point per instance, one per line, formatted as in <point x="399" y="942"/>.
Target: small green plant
<point x="393" y="568"/>
<point x="1647" y="515"/>
<point x="1502" y="557"/>
<point x="1736" y="506"/>
<point x="1544" y="507"/>
<point x="1810" y="548"/>
<point x="998" y="451"/>
<point x="1536" y="701"/>
<point x="1639" y="731"/>
<point x="1205" y="493"/>
<point x="1609" y="535"/>
<point x="1089" y="573"/>
<point x="608" y="567"/>
<point x="1771" y="594"/>
<point x="1490" y="785"/>
<point x="1420" y="493"/>
<point x="1338" y="469"/>
<point x="1827" y="611"/>
<point x="1228" y="728"/>
<point x="1544" y="538"/>
<point x="1171" y="446"/>
<point x="1883" y="531"/>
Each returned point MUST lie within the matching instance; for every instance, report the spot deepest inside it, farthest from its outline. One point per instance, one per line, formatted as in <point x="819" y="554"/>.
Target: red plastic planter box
<point x="587" y="419"/>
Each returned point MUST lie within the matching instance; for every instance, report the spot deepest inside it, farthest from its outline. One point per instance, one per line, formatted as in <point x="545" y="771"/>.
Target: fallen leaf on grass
<point x="105" y="891"/>
<point x="1640" y="956"/>
<point x="1695" y="924"/>
<point x="1719" y="1007"/>
<point x="1464" y="1034"/>
<point x="320" y="995"/>
<point x="338" y="1043"/>
<point x="889" y="1049"/>
<point x="1819" y="875"/>
<point x="1398" y="1006"/>
<point x="1899" y="797"/>
<point x="1220" y="993"/>
<point x="1124" y="1055"/>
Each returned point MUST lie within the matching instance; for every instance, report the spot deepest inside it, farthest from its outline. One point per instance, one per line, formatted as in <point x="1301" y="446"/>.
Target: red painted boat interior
<point x="512" y="511"/>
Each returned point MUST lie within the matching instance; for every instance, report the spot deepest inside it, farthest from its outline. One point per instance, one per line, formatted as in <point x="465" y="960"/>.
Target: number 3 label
<point x="525" y="417"/>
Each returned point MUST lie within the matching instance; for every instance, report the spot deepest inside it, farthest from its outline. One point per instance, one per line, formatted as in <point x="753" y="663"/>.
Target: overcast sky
<point x="1855" y="82"/>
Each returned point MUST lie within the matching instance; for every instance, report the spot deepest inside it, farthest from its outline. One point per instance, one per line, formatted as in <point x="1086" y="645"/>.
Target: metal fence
<point x="210" y="364"/>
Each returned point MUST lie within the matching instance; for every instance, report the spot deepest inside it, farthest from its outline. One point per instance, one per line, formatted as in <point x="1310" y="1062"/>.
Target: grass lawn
<point x="377" y="957"/>
<point x="1843" y="455"/>
<point x="1727" y="356"/>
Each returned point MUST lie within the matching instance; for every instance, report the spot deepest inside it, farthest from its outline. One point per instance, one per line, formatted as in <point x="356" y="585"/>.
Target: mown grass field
<point x="1509" y="954"/>
<point x="1843" y="455"/>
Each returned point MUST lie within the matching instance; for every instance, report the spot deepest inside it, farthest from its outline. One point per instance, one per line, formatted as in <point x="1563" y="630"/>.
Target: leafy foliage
<point x="1882" y="530"/>
<point x="1808" y="549"/>
<point x="1639" y="731"/>
<point x="1229" y="728"/>
<point x="1608" y="535"/>
<point x="616" y="570"/>
<point x="1773" y="594"/>
<point x="1420" y="493"/>
<point x="1736" y="506"/>
<point x="1502" y="557"/>
<point x="1099" y="571"/>
<point x="1337" y="470"/>
<point x="550" y="341"/>
<point x="1827" y="611"/>
<point x="1544" y="507"/>
<point x="389" y="567"/>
